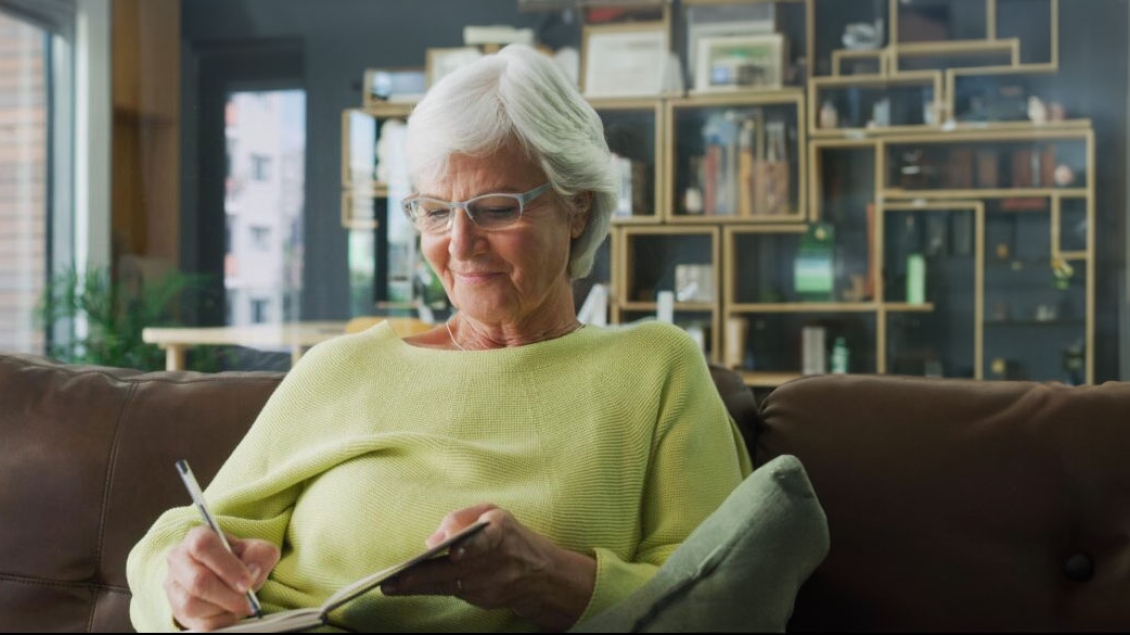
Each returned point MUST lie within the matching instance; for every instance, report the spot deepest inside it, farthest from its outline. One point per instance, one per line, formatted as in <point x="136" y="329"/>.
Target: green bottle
<point x="840" y="356"/>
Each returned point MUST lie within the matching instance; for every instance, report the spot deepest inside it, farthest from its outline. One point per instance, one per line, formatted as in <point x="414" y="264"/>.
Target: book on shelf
<point x="317" y="617"/>
<point x="745" y="165"/>
<point x="1022" y="168"/>
<point x="988" y="169"/>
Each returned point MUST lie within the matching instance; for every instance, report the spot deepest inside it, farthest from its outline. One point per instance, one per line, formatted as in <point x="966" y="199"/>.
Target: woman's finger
<point x="195" y="613"/>
<point x="457" y="520"/>
<point x="200" y="582"/>
<point x="204" y="546"/>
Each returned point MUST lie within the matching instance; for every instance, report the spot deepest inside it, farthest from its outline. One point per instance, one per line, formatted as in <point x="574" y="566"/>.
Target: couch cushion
<point x="961" y="505"/>
<point x="740" y="570"/>
<point x="86" y="466"/>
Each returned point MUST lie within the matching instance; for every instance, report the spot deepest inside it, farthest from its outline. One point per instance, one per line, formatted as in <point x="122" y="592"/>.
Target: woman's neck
<point x="467" y="333"/>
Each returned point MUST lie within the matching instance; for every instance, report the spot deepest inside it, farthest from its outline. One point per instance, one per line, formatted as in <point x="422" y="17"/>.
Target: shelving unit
<point x="859" y="182"/>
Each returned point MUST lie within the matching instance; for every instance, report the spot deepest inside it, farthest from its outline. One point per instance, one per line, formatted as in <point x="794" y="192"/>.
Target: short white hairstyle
<point x="519" y="95"/>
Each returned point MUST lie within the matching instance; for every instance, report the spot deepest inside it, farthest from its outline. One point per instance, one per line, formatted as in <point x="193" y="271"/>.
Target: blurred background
<point x="929" y="187"/>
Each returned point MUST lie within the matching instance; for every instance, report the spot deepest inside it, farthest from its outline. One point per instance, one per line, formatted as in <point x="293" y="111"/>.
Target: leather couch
<point x="952" y="505"/>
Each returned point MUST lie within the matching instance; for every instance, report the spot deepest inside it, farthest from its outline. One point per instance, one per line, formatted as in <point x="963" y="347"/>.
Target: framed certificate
<point x="625" y="60"/>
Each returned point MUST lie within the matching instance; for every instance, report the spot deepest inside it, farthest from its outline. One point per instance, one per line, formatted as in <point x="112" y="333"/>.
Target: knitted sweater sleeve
<point x="698" y="458"/>
<point x="252" y="496"/>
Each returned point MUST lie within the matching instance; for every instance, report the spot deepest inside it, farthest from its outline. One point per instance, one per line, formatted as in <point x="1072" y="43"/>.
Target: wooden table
<point x="295" y="336"/>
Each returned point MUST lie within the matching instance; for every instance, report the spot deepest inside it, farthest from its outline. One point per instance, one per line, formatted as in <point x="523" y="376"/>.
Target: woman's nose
<point x="464" y="234"/>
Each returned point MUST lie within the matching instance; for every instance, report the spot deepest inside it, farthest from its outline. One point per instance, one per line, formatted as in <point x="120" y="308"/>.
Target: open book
<point x="303" y="619"/>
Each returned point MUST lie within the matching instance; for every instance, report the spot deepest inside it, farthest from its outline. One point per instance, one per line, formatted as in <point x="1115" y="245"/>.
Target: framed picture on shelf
<point x="740" y="62"/>
<point x="443" y="61"/>
<point x="393" y="85"/>
<point x="626" y="60"/>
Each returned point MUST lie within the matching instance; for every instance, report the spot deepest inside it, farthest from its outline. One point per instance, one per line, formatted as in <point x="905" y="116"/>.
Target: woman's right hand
<point x="207" y="585"/>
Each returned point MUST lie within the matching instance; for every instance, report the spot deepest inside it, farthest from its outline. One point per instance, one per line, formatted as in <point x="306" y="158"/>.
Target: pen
<point x="198" y="499"/>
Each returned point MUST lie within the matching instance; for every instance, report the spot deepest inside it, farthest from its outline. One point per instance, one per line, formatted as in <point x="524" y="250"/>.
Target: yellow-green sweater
<point x="609" y="441"/>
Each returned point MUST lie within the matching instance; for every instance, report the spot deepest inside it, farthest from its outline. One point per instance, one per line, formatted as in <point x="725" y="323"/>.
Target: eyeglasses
<point x="489" y="211"/>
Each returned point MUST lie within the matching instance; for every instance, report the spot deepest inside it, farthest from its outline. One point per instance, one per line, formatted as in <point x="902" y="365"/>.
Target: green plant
<point x="115" y="314"/>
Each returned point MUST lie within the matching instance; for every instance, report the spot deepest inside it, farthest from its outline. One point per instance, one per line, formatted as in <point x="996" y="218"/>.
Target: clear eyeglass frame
<point x="488" y="211"/>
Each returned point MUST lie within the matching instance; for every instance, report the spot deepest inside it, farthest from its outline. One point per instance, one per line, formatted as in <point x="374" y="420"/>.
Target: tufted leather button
<point x="1079" y="567"/>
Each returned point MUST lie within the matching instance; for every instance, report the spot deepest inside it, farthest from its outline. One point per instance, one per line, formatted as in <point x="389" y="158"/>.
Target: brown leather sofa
<point x="952" y="505"/>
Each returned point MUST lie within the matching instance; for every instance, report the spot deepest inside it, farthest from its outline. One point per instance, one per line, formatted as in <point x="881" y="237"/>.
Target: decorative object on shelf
<point x="915" y="173"/>
<point x="694" y="283"/>
<point x="400" y="85"/>
<point x="856" y="290"/>
<point x="740" y="62"/>
<point x="441" y="62"/>
<point x="745" y="171"/>
<point x="1003" y="251"/>
<point x="1037" y="111"/>
<point x="880" y="114"/>
<point x="1064" y="175"/>
<point x="841" y="357"/>
<point x="814" y="273"/>
<point x="725" y="20"/>
<point x="594" y="310"/>
<point x="829" y="116"/>
<point x="693" y="201"/>
<point x="497" y="35"/>
<point x="1046" y="313"/>
<point x="633" y="182"/>
<point x="770" y="185"/>
<point x="391" y="161"/>
<point x="1074" y="361"/>
<point x="627" y="60"/>
<point x="916" y="279"/>
<point x="697" y="333"/>
<point x="1056" y="111"/>
<point x="737" y="332"/>
<point x="813" y="354"/>
<point x="863" y="36"/>
<point x="1062" y="273"/>
<point x="930" y="114"/>
<point x="665" y="307"/>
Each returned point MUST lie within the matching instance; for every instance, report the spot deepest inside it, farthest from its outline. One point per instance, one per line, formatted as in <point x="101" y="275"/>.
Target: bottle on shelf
<point x="840" y="356"/>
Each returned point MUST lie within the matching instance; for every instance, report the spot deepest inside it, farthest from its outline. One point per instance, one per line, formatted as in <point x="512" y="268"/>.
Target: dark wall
<point x="337" y="41"/>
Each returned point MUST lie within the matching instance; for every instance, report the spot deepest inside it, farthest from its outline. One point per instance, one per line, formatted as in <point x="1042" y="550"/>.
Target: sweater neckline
<point x="567" y="340"/>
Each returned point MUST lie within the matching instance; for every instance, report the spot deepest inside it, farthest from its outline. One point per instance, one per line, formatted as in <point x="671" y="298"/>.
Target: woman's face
<point x="509" y="276"/>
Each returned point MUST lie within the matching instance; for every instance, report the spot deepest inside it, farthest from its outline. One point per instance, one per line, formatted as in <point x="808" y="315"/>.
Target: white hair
<point x="520" y="95"/>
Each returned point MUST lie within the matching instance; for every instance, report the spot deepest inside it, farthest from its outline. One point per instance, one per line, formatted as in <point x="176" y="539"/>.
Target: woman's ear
<point x="580" y="220"/>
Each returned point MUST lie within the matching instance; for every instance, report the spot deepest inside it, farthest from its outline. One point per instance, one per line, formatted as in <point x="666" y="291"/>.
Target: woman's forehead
<point x="469" y="175"/>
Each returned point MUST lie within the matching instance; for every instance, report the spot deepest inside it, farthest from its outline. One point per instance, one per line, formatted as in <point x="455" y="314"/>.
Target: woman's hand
<point x="207" y="585"/>
<point x="506" y="565"/>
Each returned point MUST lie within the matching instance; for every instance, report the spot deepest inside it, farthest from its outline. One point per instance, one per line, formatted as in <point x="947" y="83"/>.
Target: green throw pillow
<point x="741" y="569"/>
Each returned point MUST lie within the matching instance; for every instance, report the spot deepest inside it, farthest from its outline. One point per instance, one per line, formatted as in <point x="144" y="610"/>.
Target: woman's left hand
<point x="506" y="565"/>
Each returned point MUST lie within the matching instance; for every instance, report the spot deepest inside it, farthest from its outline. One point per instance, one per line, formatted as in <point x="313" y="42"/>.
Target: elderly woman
<point x="592" y="452"/>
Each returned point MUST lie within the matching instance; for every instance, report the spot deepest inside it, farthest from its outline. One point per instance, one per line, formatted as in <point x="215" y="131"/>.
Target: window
<point x="259" y="308"/>
<point x="265" y="131"/>
<point x="260" y="167"/>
